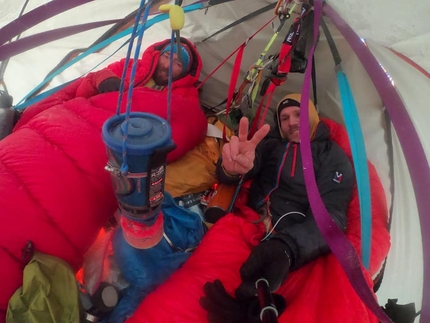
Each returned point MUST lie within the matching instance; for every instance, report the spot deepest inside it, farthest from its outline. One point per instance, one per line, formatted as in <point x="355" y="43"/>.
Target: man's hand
<point x="223" y="308"/>
<point x="111" y="84"/>
<point x="238" y="155"/>
<point x="270" y="260"/>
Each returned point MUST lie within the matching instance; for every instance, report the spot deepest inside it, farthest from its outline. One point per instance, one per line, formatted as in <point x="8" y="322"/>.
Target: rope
<point x="124" y="166"/>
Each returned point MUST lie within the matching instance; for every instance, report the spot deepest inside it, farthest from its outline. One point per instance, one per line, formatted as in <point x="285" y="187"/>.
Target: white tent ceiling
<point x="401" y="26"/>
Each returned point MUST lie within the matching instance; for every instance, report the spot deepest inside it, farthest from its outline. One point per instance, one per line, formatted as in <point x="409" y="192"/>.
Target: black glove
<point x="223" y="308"/>
<point x="111" y="84"/>
<point x="270" y="260"/>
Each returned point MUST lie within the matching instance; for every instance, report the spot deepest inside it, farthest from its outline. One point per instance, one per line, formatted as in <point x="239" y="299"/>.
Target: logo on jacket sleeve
<point x="337" y="177"/>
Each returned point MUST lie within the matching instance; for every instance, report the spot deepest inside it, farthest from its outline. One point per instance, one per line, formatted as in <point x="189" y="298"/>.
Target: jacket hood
<point x="196" y="65"/>
<point x="294" y="100"/>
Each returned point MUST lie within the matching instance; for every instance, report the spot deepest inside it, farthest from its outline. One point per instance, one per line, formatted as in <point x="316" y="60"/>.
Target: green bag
<point x="49" y="293"/>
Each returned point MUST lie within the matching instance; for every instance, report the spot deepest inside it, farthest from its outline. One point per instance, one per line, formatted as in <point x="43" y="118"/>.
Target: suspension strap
<point x="358" y="149"/>
<point x="408" y="137"/>
<point x="26" y="43"/>
<point x="21" y="105"/>
<point x="36" y="16"/>
<point x="333" y="235"/>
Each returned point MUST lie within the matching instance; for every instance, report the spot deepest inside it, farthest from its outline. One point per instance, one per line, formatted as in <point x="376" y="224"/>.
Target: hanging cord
<point x="170" y="77"/>
<point x="234" y="52"/>
<point x="124" y="166"/>
<point x="176" y="15"/>
<point x="129" y="50"/>
<point x="239" y="21"/>
<point x="358" y="148"/>
<point x="236" y="70"/>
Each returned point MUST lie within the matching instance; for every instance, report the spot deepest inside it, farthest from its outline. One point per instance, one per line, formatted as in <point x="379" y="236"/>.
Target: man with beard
<point x="152" y="71"/>
<point x="188" y="122"/>
<point x="278" y="193"/>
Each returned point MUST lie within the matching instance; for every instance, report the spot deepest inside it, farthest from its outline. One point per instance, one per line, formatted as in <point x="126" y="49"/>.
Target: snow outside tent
<point x="396" y="33"/>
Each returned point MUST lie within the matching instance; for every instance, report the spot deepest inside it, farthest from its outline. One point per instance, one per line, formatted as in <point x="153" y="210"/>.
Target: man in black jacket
<point x="278" y="188"/>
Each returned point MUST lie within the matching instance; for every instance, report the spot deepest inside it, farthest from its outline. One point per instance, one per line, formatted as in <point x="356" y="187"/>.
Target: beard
<point x="161" y="76"/>
<point x="292" y="135"/>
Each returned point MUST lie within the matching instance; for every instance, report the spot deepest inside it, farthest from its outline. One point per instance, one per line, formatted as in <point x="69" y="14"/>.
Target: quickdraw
<point x="281" y="69"/>
<point x="254" y="74"/>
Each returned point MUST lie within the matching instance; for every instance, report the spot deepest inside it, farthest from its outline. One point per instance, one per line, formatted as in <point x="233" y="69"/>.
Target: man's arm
<point x="335" y="181"/>
<point x="90" y="85"/>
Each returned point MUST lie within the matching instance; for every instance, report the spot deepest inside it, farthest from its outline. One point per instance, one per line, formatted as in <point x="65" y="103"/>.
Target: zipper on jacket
<point x="278" y="180"/>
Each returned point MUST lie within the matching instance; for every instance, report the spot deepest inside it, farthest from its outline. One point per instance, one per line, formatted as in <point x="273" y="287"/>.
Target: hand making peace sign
<point x="238" y="155"/>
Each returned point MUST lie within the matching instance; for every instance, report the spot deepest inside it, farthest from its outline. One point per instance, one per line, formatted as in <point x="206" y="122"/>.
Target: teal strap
<point x="360" y="163"/>
<point x="99" y="46"/>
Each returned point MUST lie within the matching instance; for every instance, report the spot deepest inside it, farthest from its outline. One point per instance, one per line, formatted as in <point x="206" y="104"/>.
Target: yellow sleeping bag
<point x="195" y="172"/>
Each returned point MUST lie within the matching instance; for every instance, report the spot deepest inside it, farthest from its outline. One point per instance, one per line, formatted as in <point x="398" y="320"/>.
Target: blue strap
<point x="409" y="139"/>
<point x="333" y="235"/>
<point x="103" y="44"/>
<point x="47" y="93"/>
<point x="42" y="96"/>
<point x="359" y="157"/>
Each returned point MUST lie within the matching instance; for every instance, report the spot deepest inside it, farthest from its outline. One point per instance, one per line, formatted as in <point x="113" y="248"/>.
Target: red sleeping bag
<point x="317" y="293"/>
<point x="54" y="189"/>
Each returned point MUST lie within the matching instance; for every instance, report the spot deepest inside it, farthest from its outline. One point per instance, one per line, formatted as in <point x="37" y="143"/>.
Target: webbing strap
<point x="408" y="137"/>
<point x="26" y="43"/>
<point x="333" y="235"/>
<point x="358" y="149"/>
<point x="360" y="162"/>
<point x="36" y="16"/>
<point x="233" y="82"/>
<point x="103" y="44"/>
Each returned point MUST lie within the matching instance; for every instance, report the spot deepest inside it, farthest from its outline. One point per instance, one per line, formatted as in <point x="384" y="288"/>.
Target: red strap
<point x="228" y="57"/>
<point x="233" y="81"/>
<point x="256" y="123"/>
<point x="271" y="89"/>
